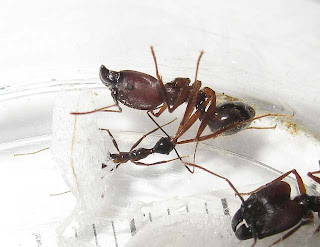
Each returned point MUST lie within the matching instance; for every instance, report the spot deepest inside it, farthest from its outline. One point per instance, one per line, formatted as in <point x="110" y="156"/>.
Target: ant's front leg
<point x="103" y="109"/>
<point x="302" y="188"/>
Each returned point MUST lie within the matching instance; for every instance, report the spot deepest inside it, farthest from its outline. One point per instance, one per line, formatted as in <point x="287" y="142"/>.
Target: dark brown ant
<point x="166" y="144"/>
<point x="163" y="146"/>
<point x="144" y="92"/>
<point x="269" y="210"/>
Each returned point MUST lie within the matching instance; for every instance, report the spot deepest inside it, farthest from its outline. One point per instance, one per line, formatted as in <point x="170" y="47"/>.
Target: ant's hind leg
<point x="302" y="188"/>
<point x="221" y="131"/>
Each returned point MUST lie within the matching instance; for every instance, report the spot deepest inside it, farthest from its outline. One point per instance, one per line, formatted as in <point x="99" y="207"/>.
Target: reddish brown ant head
<point x="108" y="77"/>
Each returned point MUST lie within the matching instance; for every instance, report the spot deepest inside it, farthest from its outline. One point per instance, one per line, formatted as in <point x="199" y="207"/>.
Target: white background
<point x="264" y="49"/>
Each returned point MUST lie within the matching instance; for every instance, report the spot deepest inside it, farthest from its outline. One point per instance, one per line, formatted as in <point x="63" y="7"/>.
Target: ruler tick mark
<point x="114" y="234"/>
<point x="133" y="228"/>
<point x="206" y="207"/>
<point x="225" y="206"/>
<point x="95" y="234"/>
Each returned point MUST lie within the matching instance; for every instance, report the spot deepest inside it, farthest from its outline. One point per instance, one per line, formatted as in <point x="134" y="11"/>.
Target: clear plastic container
<point x="35" y="205"/>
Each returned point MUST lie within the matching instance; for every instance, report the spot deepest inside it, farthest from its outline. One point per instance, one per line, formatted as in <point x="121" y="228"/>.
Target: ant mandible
<point x="269" y="210"/>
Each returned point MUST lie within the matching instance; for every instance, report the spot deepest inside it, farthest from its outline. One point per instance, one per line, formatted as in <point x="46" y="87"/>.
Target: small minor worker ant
<point x="230" y="121"/>
<point x="269" y="210"/>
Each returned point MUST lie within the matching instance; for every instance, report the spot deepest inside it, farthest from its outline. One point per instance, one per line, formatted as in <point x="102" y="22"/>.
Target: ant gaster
<point x="269" y="210"/>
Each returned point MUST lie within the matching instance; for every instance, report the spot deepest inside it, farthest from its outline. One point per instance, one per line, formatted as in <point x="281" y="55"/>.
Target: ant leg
<point x="221" y="131"/>
<point x="61" y="193"/>
<point x="288" y="234"/>
<point x="262" y="128"/>
<point x="102" y="109"/>
<point x="115" y="144"/>
<point x="162" y="109"/>
<point x="192" y="98"/>
<point x="190" y="106"/>
<point x="182" y="83"/>
<point x="316" y="179"/>
<point x="169" y="137"/>
<point x="150" y="132"/>
<point x="205" y="121"/>
<point x="217" y="175"/>
<point x="302" y="188"/>
<point x="184" y="126"/>
<point x="38" y="151"/>
<point x="196" y="115"/>
<point x="155" y="163"/>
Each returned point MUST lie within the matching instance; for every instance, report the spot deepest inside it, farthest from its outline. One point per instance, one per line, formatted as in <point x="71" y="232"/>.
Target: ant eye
<point x="129" y="87"/>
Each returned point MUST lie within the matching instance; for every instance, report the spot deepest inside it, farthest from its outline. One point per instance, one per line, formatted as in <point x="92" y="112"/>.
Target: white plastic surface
<point x="133" y="195"/>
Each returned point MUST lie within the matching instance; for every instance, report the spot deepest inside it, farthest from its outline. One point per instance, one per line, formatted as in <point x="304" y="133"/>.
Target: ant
<point x="166" y="144"/>
<point x="145" y="92"/>
<point x="269" y="210"/>
<point x="163" y="146"/>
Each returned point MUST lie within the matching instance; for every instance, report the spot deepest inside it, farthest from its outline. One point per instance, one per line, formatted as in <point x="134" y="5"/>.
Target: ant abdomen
<point x="164" y="146"/>
<point x="229" y="113"/>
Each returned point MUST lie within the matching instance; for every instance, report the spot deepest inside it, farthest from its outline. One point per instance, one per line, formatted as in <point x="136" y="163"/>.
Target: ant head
<point x="164" y="145"/>
<point x="108" y="77"/>
<point x="243" y="222"/>
<point x="241" y="230"/>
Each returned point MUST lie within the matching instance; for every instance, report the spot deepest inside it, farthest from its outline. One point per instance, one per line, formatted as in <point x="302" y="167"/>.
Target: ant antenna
<point x="198" y="63"/>
<point x="155" y="61"/>
<point x="174" y="148"/>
